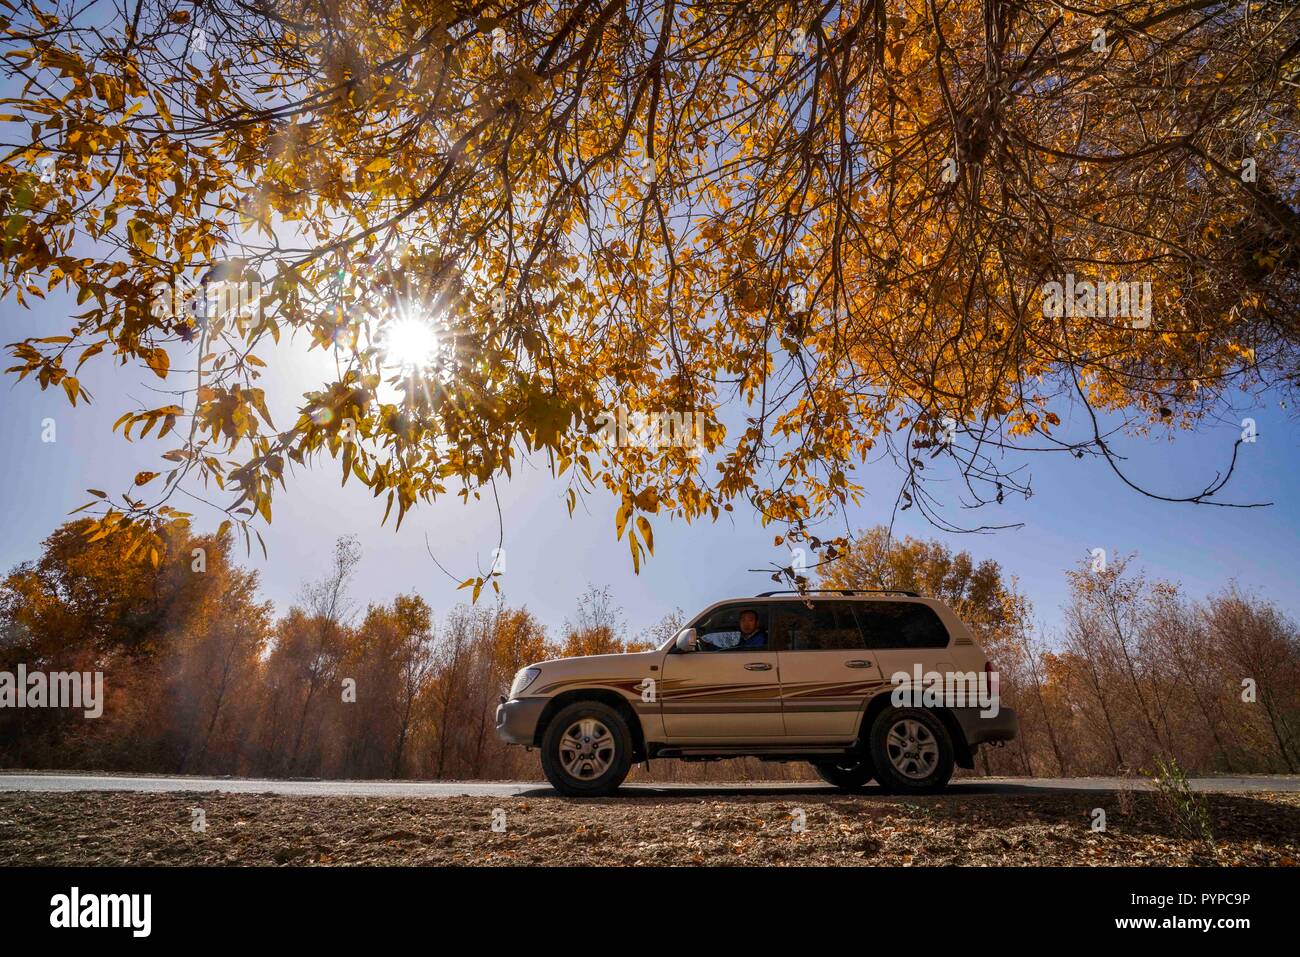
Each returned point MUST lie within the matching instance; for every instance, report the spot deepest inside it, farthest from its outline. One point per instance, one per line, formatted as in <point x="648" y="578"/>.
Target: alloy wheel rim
<point x="912" y="749"/>
<point x="586" y="749"/>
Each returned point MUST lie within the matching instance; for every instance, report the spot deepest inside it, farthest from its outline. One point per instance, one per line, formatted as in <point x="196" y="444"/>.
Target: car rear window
<point x="900" y="624"/>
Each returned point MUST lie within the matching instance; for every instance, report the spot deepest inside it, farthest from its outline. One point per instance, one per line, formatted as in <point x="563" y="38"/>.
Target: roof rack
<point x="839" y="591"/>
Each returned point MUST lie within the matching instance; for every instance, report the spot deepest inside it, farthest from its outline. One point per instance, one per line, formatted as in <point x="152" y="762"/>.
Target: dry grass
<point x="242" y="829"/>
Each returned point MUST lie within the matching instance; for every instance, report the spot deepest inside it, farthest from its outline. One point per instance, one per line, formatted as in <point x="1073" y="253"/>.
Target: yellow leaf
<point x="644" y="527"/>
<point x="140" y="236"/>
<point x="158" y="361"/>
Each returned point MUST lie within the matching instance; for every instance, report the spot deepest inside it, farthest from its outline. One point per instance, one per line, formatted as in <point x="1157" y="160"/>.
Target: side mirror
<point x="687" y="640"/>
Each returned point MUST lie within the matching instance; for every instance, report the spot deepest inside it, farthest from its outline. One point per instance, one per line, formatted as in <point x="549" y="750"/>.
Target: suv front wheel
<point x="586" y="750"/>
<point x="911" y="750"/>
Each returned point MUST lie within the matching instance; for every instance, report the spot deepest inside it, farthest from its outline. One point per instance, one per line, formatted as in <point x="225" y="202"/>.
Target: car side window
<point x="826" y="626"/>
<point x="901" y="624"/>
<point x="720" y="630"/>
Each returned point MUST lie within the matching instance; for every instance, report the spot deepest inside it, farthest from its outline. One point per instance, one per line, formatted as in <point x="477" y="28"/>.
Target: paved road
<point x="30" y="781"/>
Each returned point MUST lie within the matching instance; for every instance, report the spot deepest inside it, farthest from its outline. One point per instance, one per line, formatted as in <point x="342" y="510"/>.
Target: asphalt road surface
<point x="34" y="781"/>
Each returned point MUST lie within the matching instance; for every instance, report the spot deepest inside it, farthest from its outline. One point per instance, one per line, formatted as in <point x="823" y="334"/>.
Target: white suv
<point x="813" y="676"/>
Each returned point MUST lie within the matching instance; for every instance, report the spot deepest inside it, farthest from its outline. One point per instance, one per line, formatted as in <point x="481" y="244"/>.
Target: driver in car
<point x="752" y="637"/>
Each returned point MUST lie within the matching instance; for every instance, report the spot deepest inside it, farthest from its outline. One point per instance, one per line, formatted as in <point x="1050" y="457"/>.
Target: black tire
<point x="554" y="741"/>
<point x="847" y="774"/>
<point x="908" y="771"/>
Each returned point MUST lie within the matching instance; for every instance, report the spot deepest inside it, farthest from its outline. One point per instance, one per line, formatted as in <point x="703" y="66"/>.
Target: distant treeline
<point x="201" y="677"/>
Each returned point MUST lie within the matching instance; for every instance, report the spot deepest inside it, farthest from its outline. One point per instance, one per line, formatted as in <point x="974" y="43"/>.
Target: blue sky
<point x="552" y="558"/>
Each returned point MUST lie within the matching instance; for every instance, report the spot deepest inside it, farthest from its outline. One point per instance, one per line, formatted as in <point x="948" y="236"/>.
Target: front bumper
<point x="517" y="719"/>
<point x="1003" y="726"/>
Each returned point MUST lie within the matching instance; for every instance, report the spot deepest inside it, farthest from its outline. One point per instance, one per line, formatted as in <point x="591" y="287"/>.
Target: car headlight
<point x="523" y="678"/>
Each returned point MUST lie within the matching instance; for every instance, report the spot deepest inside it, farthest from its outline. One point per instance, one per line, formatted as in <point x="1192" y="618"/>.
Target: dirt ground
<point x="264" y="829"/>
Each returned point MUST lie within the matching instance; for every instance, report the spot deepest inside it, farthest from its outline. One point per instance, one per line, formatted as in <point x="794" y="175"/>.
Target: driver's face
<point x="748" y="623"/>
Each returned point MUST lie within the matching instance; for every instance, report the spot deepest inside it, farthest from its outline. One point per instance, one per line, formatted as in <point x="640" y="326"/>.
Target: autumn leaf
<point x="643" y="526"/>
<point x="158" y="361"/>
<point x="139" y="233"/>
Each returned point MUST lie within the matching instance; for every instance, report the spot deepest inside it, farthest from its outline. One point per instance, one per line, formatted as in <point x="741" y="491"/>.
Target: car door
<point x="827" y="672"/>
<point x="729" y="695"/>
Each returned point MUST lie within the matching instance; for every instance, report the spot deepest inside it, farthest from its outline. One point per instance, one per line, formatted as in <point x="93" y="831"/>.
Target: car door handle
<point x="857" y="663"/>
<point x="758" y="666"/>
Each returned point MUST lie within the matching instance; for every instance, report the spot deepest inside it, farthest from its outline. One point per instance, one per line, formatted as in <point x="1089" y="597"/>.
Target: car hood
<point x="602" y="665"/>
<point x="602" y="668"/>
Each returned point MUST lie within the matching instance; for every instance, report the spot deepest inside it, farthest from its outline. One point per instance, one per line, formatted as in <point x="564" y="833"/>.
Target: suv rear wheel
<point x="586" y="750"/>
<point x="912" y="751"/>
<point x="847" y="774"/>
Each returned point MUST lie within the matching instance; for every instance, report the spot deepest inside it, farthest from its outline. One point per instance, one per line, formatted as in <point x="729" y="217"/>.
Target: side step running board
<point x="766" y="754"/>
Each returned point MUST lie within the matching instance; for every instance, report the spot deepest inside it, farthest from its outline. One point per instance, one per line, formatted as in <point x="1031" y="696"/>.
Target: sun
<point x="410" y="342"/>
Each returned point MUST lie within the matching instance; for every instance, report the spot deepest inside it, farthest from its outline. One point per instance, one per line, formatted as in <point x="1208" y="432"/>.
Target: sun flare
<point x="410" y="342"/>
